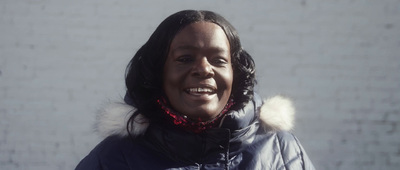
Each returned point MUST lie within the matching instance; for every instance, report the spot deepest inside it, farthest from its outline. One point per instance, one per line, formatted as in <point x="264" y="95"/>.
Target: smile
<point x="200" y="90"/>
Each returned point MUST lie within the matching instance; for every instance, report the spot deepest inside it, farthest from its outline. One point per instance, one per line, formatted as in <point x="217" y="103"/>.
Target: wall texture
<point x="338" y="59"/>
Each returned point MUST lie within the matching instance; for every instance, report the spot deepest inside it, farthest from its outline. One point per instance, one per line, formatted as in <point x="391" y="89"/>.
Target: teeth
<point x="200" y="90"/>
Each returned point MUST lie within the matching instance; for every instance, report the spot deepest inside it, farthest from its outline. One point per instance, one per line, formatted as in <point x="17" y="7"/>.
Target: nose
<point x="202" y="68"/>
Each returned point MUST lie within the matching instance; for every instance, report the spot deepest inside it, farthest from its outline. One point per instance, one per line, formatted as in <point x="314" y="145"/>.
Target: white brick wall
<point x="338" y="60"/>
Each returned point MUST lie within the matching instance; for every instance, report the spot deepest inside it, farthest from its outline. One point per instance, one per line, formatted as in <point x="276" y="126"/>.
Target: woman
<point x="190" y="104"/>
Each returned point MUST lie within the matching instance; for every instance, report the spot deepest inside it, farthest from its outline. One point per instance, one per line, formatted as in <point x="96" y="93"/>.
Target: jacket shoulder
<point x="292" y="152"/>
<point x="116" y="152"/>
<point x="106" y="152"/>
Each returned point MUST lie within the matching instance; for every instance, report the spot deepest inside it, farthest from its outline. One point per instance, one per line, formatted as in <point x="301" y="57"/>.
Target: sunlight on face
<point x="198" y="72"/>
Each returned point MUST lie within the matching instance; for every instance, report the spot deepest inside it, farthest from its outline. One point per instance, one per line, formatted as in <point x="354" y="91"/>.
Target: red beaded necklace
<point x="190" y="124"/>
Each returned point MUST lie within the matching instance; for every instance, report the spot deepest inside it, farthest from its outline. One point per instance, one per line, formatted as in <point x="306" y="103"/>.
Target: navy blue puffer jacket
<point x="254" y="137"/>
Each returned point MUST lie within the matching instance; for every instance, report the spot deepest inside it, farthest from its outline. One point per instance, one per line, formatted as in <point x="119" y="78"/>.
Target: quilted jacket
<point x="255" y="137"/>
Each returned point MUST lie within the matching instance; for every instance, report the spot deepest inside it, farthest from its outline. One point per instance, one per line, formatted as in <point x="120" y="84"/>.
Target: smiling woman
<point x="190" y="104"/>
<point x="198" y="72"/>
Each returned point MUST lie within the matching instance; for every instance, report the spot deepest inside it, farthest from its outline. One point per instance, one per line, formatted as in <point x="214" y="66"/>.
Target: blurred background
<point x="339" y="60"/>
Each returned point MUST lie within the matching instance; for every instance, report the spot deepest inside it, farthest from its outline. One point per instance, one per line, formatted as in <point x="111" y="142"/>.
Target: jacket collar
<point x="275" y="114"/>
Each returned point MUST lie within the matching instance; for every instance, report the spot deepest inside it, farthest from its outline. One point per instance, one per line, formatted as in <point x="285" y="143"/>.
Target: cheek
<point x="230" y="77"/>
<point x="227" y="79"/>
<point x="173" y="76"/>
<point x="172" y="79"/>
<point x="167" y="78"/>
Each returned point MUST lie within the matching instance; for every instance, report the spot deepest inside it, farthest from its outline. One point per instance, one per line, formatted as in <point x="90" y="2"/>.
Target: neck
<point x="196" y="126"/>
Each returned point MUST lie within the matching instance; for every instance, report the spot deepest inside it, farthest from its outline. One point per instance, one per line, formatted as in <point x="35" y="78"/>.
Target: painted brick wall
<point x="338" y="60"/>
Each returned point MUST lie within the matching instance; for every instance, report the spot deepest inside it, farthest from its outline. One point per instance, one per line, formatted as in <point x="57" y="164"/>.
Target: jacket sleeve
<point x="293" y="154"/>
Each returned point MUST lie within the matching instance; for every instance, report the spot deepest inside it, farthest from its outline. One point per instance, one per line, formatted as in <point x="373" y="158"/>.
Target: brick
<point x="337" y="60"/>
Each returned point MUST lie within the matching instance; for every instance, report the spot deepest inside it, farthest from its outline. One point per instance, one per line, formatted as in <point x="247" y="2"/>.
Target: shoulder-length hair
<point x="144" y="72"/>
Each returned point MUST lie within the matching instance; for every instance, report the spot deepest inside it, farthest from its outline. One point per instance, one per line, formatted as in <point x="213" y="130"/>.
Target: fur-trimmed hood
<point x="276" y="114"/>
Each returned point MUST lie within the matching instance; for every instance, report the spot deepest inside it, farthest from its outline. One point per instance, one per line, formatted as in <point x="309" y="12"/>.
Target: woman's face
<point x="198" y="72"/>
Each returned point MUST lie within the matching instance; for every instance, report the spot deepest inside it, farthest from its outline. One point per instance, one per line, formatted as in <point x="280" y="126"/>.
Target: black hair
<point x="144" y="72"/>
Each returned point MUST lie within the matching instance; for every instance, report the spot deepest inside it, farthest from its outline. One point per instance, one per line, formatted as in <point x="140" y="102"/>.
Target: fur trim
<point x="277" y="114"/>
<point x="112" y="120"/>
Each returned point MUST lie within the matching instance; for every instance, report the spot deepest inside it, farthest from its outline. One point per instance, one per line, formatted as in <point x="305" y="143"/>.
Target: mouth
<point x="200" y="90"/>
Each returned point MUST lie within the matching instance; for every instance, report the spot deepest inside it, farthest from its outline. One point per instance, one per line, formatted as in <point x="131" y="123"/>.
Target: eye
<point x="219" y="61"/>
<point x="185" y="59"/>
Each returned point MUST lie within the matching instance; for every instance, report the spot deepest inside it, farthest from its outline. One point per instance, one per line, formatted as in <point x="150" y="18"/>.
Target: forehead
<point x="200" y="35"/>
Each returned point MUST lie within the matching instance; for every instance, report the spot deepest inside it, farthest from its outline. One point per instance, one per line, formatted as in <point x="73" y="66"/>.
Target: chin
<point x="203" y="114"/>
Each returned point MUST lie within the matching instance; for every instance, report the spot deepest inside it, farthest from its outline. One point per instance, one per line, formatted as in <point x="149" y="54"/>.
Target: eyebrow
<point x="191" y="47"/>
